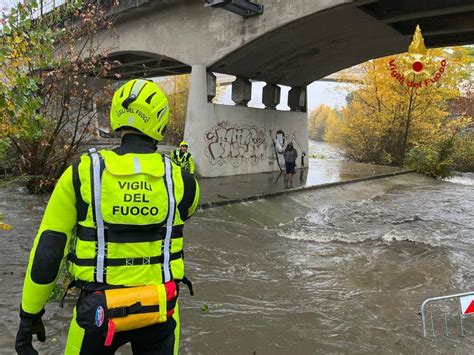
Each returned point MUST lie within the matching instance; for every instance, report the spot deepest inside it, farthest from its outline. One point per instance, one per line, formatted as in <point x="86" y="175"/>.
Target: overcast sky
<point x="7" y="3"/>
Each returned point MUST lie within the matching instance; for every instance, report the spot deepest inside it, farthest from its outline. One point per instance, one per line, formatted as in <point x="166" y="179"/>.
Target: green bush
<point x="435" y="160"/>
<point x="3" y="148"/>
<point x="5" y="163"/>
<point x="464" y="158"/>
<point x="386" y="158"/>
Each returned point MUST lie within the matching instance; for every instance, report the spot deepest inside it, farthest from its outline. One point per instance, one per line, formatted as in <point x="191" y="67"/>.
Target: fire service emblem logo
<point x="417" y="69"/>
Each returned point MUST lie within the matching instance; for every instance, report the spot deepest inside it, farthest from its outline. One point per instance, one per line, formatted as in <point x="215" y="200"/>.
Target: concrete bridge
<point x="289" y="43"/>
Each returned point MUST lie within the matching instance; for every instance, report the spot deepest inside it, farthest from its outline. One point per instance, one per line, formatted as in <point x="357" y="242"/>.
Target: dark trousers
<point x="290" y="168"/>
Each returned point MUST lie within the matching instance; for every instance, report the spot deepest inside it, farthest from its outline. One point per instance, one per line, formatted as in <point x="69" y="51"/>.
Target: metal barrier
<point x="461" y="296"/>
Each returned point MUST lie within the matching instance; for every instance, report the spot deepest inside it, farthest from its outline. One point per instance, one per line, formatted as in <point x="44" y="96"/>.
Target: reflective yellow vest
<point x="185" y="161"/>
<point x="130" y="231"/>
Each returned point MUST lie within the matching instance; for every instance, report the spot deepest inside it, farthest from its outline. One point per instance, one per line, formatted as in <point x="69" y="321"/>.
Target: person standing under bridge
<point x="182" y="157"/>
<point x="290" y="154"/>
<point x="117" y="218"/>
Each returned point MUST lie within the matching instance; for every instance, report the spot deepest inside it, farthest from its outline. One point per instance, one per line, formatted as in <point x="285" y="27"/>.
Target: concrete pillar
<point x="271" y="95"/>
<point x="241" y="91"/>
<point x="211" y="86"/>
<point x="197" y="113"/>
<point x="297" y="99"/>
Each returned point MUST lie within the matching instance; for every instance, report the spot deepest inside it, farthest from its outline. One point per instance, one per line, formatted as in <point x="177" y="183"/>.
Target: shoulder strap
<point x="97" y="167"/>
<point x="81" y="205"/>
<point x="169" y="220"/>
<point x="175" y="156"/>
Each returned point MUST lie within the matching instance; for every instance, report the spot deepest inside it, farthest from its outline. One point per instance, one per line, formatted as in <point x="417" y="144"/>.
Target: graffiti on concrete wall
<point x="280" y="141"/>
<point x="234" y="144"/>
<point x="277" y="147"/>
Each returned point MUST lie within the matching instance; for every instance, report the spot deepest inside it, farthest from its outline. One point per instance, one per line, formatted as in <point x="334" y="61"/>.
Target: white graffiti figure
<point x="280" y="141"/>
<point x="228" y="143"/>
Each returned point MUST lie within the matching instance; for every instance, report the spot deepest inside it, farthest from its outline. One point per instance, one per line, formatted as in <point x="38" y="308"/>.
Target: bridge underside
<point x="328" y="41"/>
<point x="291" y="43"/>
<point x="128" y="65"/>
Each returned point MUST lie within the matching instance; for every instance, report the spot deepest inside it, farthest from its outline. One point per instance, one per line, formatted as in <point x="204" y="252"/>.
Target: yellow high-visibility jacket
<point x="185" y="161"/>
<point x="118" y="219"/>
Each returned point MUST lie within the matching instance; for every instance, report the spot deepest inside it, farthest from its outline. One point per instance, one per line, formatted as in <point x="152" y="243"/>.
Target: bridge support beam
<point x="211" y="86"/>
<point x="297" y="99"/>
<point x="233" y="140"/>
<point x="241" y="91"/>
<point x="271" y="95"/>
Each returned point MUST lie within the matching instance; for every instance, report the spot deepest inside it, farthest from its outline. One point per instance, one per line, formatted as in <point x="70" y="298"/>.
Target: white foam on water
<point x="394" y="236"/>
<point x="324" y="237"/>
<point x="464" y="179"/>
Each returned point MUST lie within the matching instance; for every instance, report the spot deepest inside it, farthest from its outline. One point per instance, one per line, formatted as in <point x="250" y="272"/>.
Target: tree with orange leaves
<point x="386" y="122"/>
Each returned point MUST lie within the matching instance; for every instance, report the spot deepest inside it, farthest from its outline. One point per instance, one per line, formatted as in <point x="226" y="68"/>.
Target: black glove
<point x="29" y="324"/>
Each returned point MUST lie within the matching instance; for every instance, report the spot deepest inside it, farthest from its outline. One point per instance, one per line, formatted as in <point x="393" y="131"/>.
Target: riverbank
<point x="330" y="168"/>
<point x="320" y="174"/>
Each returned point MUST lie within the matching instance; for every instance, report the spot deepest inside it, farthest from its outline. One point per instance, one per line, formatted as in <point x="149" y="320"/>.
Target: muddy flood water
<point x="337" y="270"/>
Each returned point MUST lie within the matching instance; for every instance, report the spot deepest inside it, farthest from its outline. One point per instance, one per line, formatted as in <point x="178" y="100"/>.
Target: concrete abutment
<point x="232" y="140"/>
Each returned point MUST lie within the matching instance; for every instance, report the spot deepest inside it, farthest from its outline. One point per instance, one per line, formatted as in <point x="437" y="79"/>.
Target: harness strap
<point x="138" y="308"/>
<point x="69" y="286"/>
<point x="128" y="236"/>
<point x="148" y="260"/>
<point x="189" y="284"/>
